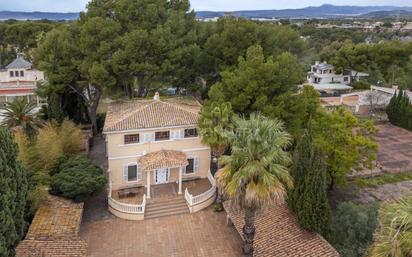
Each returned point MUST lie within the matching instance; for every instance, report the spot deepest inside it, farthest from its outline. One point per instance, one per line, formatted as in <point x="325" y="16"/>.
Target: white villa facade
<point x="323" y="78"/>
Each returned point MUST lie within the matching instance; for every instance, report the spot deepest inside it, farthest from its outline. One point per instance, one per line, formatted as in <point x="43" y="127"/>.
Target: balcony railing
<point x="125" y="207"/>
<point x="198" y="199"/>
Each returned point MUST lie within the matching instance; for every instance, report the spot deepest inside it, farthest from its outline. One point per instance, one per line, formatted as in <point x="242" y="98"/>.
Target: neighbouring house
<point x="324" y="79"/>
<point x="157" y="163"/>
<point x="279" y="234"/>
<point x="377" y="98"/>
<point x="55" y="231"/>
<point x="19" y="81"/>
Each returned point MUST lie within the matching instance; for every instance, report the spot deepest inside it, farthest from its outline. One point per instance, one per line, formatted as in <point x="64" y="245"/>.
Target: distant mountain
<point x="6" y="15"/>
<point x="323" y="11"/>
<point x="388" y="14"/>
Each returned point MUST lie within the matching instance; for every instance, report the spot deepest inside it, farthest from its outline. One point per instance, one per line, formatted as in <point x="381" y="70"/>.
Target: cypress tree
<point x="13" y="195"/>
<point x="399" y="110"/>
<point x="308" y="199"/>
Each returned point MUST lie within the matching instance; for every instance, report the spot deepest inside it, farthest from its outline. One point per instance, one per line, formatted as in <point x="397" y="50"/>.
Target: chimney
<point x="395" y="87"/>
<point x="156" y="96"/>
<point x="317" y="63"/>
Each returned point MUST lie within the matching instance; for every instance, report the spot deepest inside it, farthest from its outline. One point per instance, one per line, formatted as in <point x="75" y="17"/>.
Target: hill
<point x="6" y="15"/>
<point x="323" y="11"/>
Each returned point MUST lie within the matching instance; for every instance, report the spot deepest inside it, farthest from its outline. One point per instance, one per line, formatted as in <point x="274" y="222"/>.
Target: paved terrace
<point x="202" y="234"/>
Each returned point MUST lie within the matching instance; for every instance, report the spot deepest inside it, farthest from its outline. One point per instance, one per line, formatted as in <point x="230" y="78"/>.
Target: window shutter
<point x="181" y="133"/>
<point x="184" y="169"/>
<point x="148" y="137"/>
<point x="126" y="173"/>
<point x="174" y="134"/>
<point x="139" y="172"/>
<point x="196" y="164"/>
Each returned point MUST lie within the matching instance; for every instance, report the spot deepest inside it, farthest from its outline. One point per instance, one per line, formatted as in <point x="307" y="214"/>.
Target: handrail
<point x="194" y="200"/>
<point x="125" y="207"/>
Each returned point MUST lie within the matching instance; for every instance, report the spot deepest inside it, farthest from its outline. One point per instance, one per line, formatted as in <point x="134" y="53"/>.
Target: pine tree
<point x="308" y="198"/>
<point x="13" y="195"/>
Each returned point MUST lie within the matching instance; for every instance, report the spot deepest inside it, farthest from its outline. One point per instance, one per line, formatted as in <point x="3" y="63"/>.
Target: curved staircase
<point x="166" y="207"/>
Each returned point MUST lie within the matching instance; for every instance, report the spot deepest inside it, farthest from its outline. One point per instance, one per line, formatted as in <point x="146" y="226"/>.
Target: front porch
<point x="160" y="193"/>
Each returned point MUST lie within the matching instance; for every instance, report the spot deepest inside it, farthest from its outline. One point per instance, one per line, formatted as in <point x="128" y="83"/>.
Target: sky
<point x="198" y="5"/>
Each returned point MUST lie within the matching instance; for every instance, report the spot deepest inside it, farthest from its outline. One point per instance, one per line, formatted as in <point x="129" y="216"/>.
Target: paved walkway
<point x="202" y="234"/>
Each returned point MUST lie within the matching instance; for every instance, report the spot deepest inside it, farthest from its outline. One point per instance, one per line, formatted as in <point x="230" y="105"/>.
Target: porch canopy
<point x="163" y="159"/>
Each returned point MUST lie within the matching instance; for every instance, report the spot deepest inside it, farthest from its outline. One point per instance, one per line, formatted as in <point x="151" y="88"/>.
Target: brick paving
<point x="202" y="234"/>
<point x="395" y="153"/>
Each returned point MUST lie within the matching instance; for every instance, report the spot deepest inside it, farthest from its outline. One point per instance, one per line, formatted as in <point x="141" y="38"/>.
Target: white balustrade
<point x="125" y="207"/>
<point x="194" y="200"/>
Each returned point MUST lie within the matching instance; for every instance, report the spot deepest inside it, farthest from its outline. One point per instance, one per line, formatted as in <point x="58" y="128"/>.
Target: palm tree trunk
<point x="249" y="232"/>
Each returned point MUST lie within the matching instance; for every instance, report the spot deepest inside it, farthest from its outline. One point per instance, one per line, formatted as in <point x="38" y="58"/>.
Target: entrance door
<point x="162" y="176"/>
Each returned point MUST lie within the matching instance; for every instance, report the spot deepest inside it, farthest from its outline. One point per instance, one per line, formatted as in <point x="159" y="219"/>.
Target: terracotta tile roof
<point x="163" y="159"/>
<point x="57" y="248"/>
<point x="140" y="114"/>
<point x="54" y="230"/>
<point x="278" y="234"/>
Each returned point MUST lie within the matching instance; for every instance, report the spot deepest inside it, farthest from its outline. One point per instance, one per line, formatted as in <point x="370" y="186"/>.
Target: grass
<point x="383" y="179"/>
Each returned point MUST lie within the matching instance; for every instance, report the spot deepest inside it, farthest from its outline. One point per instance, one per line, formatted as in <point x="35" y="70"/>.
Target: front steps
<point x="170" y="207"/>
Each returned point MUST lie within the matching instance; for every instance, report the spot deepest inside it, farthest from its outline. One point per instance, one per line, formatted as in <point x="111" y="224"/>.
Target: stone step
<point x="166" y="214"/>
<point x="166" y="203"/>
<point x="166" y="208"/>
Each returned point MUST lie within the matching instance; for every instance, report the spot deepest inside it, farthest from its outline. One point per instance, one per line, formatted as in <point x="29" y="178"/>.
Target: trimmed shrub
<point x="76" y="177"/>
<point x="361" y="84"/>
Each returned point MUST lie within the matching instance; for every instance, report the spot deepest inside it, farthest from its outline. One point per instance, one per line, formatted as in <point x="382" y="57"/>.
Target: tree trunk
<point x="249" y="232"/>
<point x="93" y="109"/>
<point x="142" y="88"/>
<point x="332" y="181"/>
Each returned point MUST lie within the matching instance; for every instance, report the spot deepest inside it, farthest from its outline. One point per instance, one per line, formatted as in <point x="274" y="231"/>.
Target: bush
<point x="361" y="84"/>
<point x="76" y="177"/>
<point x="54" y="141"/>
<point x="352" y="228"/>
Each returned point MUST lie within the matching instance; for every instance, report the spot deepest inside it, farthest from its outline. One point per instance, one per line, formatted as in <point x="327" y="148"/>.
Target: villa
<point x="19" y="80"/>
<point x="157" y="164"/>
<point x="323" y="78"/>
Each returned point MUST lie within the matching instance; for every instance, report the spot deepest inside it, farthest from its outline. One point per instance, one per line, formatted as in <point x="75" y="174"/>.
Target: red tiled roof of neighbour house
<point x="141" y="114"/>
<point x="278" y="234"/>
<point x="54" y="231"/>
<point x="16" y="91"/>
<point x="163" y="159"/>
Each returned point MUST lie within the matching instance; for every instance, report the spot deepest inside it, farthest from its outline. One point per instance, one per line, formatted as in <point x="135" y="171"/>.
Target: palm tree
<point x="255" y="174"/>
<point x="20" y="113"/>
<point x="394" y="236"/>
<point x="214" y="120"/>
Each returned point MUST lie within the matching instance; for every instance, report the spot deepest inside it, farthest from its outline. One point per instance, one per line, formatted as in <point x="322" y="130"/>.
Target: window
<point x="162" y="135"/>
<point x="16" y="73"/>
<point x="190" y="132"/>
<point x="345" y="79"/>
<point x="193" y="165"/>
<point x="131" y="172"/>
<point x="11" y="74"/>
<point x="131" y="139"/>
<point x="21" y="73"/>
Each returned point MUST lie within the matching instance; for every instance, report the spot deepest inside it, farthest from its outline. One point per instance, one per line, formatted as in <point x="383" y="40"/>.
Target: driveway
<point x="202" y="234"/>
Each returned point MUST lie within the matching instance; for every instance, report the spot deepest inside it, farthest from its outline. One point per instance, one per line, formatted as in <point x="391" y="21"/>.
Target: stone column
<point x="148" y="174"/>
<point x="180" y="180"/>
